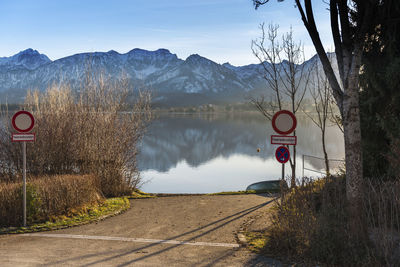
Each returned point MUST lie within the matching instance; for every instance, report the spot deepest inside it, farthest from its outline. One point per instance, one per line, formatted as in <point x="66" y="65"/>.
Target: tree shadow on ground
<point x="123" y="252"/>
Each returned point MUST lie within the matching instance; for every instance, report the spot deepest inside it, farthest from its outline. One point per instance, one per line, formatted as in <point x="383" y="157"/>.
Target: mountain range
<point x="173" y="81"/>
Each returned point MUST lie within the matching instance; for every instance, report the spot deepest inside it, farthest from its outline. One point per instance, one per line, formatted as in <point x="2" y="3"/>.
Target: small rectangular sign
<point x="23" y="137"/>
<point x="283" y="140"/>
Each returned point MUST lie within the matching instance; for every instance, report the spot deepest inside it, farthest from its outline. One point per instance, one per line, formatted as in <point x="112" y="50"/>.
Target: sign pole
<point x="24" y="179"/>
<point x="283" y="171"/>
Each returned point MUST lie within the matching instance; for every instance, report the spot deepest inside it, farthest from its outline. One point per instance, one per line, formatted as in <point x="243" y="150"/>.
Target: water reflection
<point x="217" y="152"/>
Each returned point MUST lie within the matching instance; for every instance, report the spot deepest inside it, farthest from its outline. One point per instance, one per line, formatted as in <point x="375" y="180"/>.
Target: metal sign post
<point x="23" y="122"/>
<point x="24" y="179"/>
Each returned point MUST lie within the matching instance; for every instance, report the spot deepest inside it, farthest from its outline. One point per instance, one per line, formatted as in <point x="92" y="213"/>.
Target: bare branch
<point x="261" y="105"/>
<point x="309" y="23"/>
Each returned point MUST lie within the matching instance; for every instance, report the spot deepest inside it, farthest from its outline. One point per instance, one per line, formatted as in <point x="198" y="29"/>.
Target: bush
<point x="33" y="202"/>
<point x="46" y="197"/>
<point x="94" y="131"/>
<point x="294" y="221"/>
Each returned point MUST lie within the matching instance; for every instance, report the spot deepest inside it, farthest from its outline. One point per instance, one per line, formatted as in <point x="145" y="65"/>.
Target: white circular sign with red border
<point x="284" y="122"/>
<point x="23" y="121"/>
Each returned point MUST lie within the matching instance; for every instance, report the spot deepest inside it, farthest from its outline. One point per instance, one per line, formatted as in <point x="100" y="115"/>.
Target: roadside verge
<point x="88" y="214"/>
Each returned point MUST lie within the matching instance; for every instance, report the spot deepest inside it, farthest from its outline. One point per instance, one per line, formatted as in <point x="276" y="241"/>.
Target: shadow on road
<point x="121" y="253"/>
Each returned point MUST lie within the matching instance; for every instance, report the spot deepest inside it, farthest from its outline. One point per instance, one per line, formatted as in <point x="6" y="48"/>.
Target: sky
<point x="221" y="30"/>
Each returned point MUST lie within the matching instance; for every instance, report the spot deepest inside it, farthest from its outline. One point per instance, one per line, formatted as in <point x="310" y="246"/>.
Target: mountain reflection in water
<point x="201" y="153"/>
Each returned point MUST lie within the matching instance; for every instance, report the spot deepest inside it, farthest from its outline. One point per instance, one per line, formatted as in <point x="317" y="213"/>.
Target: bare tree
<point x="286" y="78"/>
<point x="295" y="82"/>
<point x="321" y="94"/>
<point x="267" y="50"/>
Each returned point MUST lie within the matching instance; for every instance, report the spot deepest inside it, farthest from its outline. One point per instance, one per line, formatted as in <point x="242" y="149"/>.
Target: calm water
<point x="204" y="153"/>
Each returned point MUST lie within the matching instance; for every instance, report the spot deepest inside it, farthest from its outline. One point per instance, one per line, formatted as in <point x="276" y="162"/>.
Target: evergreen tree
<point x="380" y="95"/>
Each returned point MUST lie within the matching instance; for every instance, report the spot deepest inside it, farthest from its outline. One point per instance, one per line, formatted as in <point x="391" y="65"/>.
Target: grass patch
<point x="256" y="241"/>
<point x="138" y="194"/>
<point x="84" y="215"/>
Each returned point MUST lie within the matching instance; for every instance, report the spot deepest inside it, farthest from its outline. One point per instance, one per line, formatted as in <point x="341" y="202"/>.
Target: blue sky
<point x="221" y="30"/>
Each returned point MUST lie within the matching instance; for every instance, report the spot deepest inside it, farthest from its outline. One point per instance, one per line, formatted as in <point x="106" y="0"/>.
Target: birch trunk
<point x="328" y="173"/>
<point x="352" y="139"/>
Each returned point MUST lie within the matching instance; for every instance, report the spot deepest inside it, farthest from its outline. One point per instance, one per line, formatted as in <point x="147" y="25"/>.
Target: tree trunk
<point x="352" y="139"/>
<point x="328" y="174"/>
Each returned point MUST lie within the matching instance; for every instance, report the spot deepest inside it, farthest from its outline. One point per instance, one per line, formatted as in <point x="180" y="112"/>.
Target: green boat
<point x="266" y="186"/>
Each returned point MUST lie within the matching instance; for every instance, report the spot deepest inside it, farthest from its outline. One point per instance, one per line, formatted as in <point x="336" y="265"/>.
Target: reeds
<point x="94" y="131"/>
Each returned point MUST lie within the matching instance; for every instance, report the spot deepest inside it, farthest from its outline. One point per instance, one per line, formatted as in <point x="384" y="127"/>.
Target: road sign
<point x="284" y="122"/>
<point x="23" y="121"/>
<point x="284" y="140"/>
<point x="23" y="137"/>
<point x="282" y="154"/>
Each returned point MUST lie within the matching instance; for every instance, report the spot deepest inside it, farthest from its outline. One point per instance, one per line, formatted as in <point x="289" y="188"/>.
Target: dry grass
<point x="46" y="197"/>
<point x="382" y="206"/>
<point x="94" y="131"/>
<point x="310" y="225"/>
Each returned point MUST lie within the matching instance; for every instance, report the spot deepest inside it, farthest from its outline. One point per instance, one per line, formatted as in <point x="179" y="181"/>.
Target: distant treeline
<point x="232" y="107"/>
<point x="209" y="108"/>
<point x="307" y="106"/>
<point x="9" y="107"/>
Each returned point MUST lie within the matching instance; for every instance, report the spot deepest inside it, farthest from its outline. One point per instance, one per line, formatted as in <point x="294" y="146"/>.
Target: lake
<point x="205" y="153"/>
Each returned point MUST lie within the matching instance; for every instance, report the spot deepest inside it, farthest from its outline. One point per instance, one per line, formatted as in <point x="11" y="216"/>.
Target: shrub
<point x="93" y="131"/>
<point x="293" y="220"/>
<point x="33" y="202"/>
<point x="46" y="197"/>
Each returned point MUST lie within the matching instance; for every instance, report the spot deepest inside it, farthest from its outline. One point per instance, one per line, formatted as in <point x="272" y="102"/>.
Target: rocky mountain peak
<point x="29" y="58"/>
<point x="196" y="59"/>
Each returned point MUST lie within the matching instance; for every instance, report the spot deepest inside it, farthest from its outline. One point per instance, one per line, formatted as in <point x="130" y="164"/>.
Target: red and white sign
<point x="23" y="137"/>
<point x="23" y="121"/>
<point x="284" y="140"/>
<point x="284" y="122"/>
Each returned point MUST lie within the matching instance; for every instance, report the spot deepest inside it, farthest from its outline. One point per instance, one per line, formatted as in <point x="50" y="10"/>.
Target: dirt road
<point x="167" y="231"/>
